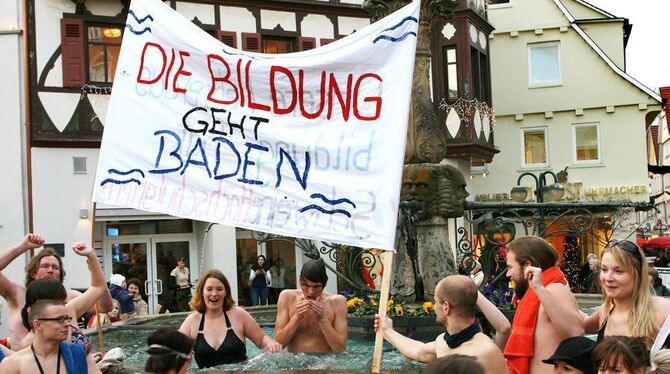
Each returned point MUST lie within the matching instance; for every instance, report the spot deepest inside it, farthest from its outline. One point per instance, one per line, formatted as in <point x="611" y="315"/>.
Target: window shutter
<point x="251" y="42"/>
<point x="228" y="38"/>
<point x="305" y="43"/>
<point x="72" y="49"/>
<point x="326" y="41"/>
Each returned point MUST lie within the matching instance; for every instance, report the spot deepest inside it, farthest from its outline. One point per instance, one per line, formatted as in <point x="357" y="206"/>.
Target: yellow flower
<point x="390" y="302"/>
<point x="428" y="307"/>
<point x="398" y="310"/>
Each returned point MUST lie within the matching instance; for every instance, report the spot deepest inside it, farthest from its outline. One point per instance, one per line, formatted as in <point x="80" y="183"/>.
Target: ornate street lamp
<point x="552" y="192"/>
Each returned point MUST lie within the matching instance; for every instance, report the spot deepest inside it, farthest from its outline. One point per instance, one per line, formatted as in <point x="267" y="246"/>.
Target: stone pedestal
<point x="436" y="260"/>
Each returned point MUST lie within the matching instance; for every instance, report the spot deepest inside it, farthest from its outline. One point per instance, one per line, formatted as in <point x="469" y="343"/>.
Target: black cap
<point x="576" y="352"/>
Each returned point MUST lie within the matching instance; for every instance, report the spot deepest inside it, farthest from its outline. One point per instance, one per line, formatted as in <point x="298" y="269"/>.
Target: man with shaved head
<point x="455" y="303"/>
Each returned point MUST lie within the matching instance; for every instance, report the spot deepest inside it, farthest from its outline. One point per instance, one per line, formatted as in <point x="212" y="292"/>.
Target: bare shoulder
<point x="661" y="306"/>
<point x="288" y="296"/>
<point x="560" y="291"/>
<point x="335" y="299"/>
<point x="14" y="362"/>
<point x="239" y="312"/>
<point x="190" y="321"/>
<point x="71" y="294"/>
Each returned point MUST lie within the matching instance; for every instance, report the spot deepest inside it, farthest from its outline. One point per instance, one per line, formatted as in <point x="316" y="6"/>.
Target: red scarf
<point x="519" y="348"/>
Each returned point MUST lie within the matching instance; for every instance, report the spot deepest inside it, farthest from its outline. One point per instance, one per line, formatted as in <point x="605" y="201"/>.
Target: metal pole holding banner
<point x="98" y="325"/>
<point x="387" y="261"/>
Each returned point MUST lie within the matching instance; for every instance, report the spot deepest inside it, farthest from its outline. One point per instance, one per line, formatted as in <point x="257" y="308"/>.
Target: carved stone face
<point x="458" y="193"/>
<point x="439" y="188"/>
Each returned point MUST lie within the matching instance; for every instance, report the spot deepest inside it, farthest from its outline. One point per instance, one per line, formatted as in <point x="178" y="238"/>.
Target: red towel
<point x="519" y="348"/>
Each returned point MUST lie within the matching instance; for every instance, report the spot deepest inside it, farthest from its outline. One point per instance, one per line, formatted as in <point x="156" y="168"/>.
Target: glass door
<point x="129" y="257"/>
<point x="151" y="260"/>
<point x="166" y="254"/>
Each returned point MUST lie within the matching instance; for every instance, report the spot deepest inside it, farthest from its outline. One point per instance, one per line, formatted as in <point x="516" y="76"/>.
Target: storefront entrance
<point x="150" y="258"/>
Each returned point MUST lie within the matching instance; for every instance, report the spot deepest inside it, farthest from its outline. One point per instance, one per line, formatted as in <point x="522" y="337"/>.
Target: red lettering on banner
<point x="180" y="71"/>
<point x="144" y="51"/>
<point x="239" y="82"/>
<point x="301" y="95"/>
<point x="273" y="89"/>
<point x="345" y="104"/>
<point x="215" y="79"/>
<point x="374" y="99"/>
<point x="253" y="105"/>
<point x="165" y="81"/>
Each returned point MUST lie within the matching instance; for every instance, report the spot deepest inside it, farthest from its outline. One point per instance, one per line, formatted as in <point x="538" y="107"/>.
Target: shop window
<point x="544" y="64"/>
<point x="534" y="147"/>
<point x="450" y="72"/>
<point x="586" y="143"/>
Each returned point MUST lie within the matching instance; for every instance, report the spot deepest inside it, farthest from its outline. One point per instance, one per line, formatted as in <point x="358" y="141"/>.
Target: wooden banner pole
<point x="387" y="261"/>
<point x="98" y="325"/>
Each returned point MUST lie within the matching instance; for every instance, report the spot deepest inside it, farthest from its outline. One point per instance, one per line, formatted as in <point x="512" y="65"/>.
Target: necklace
<point x="39" y="365"/>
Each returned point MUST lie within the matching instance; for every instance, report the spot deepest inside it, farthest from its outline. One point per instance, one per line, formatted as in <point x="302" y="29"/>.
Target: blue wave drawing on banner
<point x="114" y="171"/>
<point x="148" y="16"/>
<point x="332" y="202"/>
<point x="402" y="22"/>
<point x="136" y="32"/>
<point x="326" y="211"/>
<point x="139" y="21"/>
<point x="123" y="173"/>
<point x="391" y="38"/>
<point x="117" y="181"/>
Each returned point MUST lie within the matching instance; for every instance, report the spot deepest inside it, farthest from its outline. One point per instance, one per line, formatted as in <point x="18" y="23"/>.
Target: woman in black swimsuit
<point x="629" y="308"/>
<point x="217" y="322"/>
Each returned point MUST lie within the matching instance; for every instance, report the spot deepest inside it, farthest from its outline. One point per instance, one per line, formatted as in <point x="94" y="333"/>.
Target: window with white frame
<point x="586" y="143"/>
<point x="544" y="64"/>
<point x="534" y="147"/>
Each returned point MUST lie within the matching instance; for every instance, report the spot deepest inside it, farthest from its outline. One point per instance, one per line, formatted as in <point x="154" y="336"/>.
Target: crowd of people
<point x="545" y="336"/>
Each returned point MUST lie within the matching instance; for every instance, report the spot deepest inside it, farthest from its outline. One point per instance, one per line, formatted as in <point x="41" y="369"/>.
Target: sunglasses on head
<point x="626" y="245"/>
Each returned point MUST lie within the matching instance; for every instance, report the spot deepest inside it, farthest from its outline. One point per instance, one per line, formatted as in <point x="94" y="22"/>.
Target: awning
<point x="660" y="242"/>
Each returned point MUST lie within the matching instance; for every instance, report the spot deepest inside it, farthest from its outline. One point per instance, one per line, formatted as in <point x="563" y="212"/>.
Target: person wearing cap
<point x="573" y="355"/>
<point x="169" y="352"/>
<point x="117" y="287"/>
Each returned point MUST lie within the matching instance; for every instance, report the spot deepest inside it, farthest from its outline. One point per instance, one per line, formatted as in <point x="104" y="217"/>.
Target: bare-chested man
<point x="312" y="320"/>
<point x="547" y="311"/>
<point x="455" y="303"/>
<point x="46" y="264"/>
<point x="48" y="353"/>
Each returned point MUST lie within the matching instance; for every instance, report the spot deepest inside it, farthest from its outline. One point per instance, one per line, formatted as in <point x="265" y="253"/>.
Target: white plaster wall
<point x="580" y="11"/>
<point x="58" y="195"/>
<point x="586" y="80"/>
<point x="526" y="15"/>
<point x="237" y="19"/>
<point x="609" y="37"/>
<point x="271" y="18"/>
<point x="348" y="25"/>
<point x="47" y="37"/>
<point x="317" y="26"/>
<point x="219" y="252"/>
<point x="13" y="220"/>
<point x="204" y="12"/>
<point x="104" y="7"/>
<point x="622" y="146"/>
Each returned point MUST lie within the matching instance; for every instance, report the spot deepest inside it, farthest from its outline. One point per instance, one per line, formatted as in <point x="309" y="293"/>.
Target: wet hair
<point x="661" y="361"/>
<point x="42" y="289"/>
<point x="198" y="301"/>
<point x="34" y="263"/>
<point x="535" y="250"/>
<point x="314" y="271"/>
<point x="455" y="364"/>
<point x="461" y="294"/>
<point x="631" y="351"/>
<point x="134" y="281"/>
<point x="37" y="310"/>
<point x="642" y="319"/>
<point x="168" y="350"/>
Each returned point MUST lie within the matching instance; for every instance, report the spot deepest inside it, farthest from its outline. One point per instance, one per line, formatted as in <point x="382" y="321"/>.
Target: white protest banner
<point x="307" y="144"/>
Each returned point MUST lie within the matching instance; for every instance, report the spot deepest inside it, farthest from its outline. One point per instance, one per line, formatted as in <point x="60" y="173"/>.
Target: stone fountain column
<point x="439" y="189"/>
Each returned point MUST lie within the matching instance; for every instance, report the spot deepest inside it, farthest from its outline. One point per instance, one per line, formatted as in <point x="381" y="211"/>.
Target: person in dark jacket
<point x="117" y="287"/>
<point x="657" y="283"/>
<point x="261" y="279"/>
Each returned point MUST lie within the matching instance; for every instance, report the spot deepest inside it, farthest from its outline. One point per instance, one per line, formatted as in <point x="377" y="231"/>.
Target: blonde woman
<point x="629" y="308"/>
